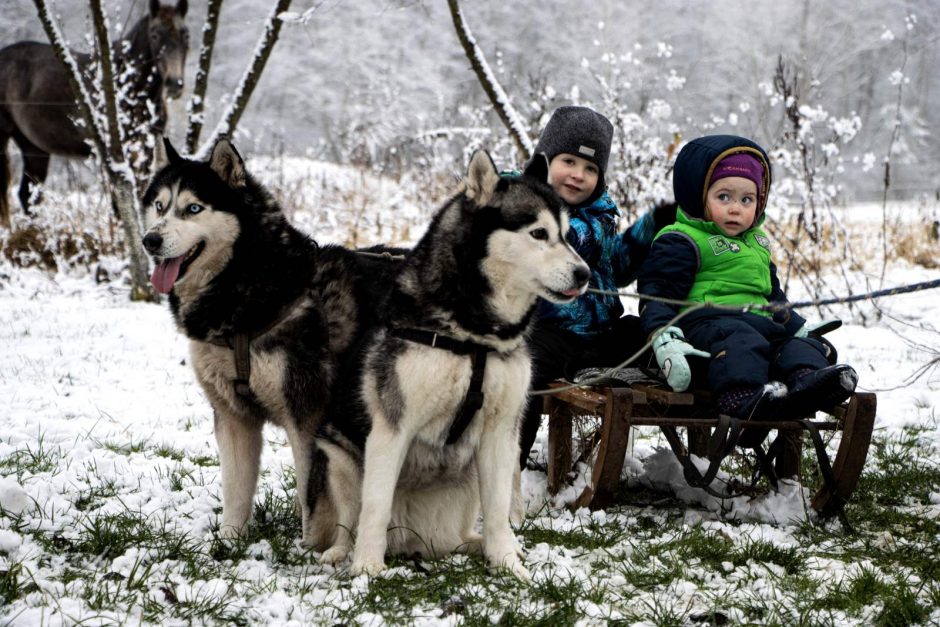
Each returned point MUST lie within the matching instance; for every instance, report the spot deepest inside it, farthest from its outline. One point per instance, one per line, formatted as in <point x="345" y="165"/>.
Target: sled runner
<point x="642" y="402"/>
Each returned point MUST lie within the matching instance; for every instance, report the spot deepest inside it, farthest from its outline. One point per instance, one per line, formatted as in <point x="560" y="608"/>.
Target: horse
<point x="38" y="109"/>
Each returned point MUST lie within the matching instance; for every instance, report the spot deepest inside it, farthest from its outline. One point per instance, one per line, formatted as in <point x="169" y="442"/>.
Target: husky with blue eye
<point x="271" y="316"/>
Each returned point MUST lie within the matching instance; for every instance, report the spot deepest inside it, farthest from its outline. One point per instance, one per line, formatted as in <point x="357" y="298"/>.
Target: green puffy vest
<point x="731" y="270"/>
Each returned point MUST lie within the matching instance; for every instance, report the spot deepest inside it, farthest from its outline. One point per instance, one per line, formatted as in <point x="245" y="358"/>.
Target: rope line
<point x="914" y="287"/>
<point x="778" y="306"/>
<point x="695" y="306"/>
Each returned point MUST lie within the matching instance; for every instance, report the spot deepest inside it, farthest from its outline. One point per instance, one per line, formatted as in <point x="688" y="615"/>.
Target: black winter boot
<point x="758" y="403"/>
<point x="819" y="390"/>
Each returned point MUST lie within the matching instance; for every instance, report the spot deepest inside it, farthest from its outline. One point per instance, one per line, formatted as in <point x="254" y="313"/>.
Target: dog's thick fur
<point x="385" y="468"/>
<point x="235" y="268"/>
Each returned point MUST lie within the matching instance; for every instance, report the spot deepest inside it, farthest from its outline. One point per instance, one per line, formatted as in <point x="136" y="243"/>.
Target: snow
<point x="98" y="386"/>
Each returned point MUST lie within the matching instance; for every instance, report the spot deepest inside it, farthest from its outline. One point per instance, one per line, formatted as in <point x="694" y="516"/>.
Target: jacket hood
<point x="697" y="161"/>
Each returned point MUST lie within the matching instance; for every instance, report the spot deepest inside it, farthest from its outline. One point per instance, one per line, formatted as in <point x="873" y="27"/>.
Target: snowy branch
<point x="507" y="113"/>
<point x="197" y="103"/>
<point x="115" y="155"/>
<point x="82" y="97"/>
<point x="249" y="81"/>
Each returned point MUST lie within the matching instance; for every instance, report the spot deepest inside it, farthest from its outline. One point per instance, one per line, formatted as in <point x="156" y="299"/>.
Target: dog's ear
<point x="537" y="168"/>
<point x="163" y="154"/>
<point x="227" y="163"/>
<point x="482" y="178"/>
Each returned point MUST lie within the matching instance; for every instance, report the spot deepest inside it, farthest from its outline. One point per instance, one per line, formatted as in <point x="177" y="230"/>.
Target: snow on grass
<point x="110" y="490"/>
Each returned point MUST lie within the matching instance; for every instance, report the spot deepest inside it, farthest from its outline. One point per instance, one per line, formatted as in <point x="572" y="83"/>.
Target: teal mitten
<point x="670" y="348"/>
<point x="818" y="328"/>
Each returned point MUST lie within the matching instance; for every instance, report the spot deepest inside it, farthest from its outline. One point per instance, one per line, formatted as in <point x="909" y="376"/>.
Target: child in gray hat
<point x="591" y="330"/>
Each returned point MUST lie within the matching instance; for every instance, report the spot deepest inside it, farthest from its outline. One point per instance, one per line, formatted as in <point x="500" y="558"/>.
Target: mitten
<point x="818" y="328"/>
<point x="671" y="349"/>
<point x="664" y="214"/>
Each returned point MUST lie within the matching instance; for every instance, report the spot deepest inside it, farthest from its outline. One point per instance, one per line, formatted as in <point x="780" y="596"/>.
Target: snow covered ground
<point x="101" y="418"/>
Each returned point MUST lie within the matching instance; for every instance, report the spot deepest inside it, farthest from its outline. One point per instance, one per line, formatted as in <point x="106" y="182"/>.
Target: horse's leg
<point x="6" y="130"/>
<point x="35" y="169"/>
<point x="4" y="182"/>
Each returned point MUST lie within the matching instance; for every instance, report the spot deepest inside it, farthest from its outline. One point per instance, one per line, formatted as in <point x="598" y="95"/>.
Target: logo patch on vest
<point x="720" y="245"/>
<point x="584" y="150"/>
<point x="763" y="241"/>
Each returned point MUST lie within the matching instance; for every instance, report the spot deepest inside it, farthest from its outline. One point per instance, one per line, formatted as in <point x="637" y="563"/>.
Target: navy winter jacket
<point x="671" y="267"/>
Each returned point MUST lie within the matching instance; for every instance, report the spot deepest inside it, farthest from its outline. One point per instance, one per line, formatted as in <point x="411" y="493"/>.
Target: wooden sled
<point x="649" y="404"/>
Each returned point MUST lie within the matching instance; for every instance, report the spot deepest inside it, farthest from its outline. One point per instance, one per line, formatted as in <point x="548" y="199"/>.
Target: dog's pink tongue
<point x="165" y="274"/>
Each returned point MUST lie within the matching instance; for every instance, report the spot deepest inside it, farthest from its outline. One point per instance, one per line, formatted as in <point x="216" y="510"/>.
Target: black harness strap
<point x="473" y="401"/>
<point x="242" y="347"/>
<point x="240" y="343"/>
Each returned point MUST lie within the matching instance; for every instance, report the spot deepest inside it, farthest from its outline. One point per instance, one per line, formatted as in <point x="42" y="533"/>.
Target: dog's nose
<point x="581" y="275"/>
<point x="153" y="242"/>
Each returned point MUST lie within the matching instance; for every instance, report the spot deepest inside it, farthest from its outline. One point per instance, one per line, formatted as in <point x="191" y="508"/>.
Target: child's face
<point x="573" y="178"/>
<point x="731" y="203"/>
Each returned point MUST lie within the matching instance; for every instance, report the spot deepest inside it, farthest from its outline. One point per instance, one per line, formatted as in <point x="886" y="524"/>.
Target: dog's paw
<point x="335" y="554"/>
<point x="511" y="564"/>
<point x="366" y="566"/>
<point x="229" y="532"/>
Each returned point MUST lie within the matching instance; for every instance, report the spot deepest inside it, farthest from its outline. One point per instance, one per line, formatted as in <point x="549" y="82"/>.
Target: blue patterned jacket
<point x="615" y="259"/>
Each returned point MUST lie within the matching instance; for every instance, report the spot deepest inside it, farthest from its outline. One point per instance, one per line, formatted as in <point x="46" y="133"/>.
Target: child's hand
<point x="671" y="349"/>
<point x="818" y="328"/>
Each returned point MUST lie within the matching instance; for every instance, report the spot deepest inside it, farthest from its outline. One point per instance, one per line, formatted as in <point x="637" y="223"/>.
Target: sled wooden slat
<point x="858" y="425"/>
<point x="642" y="404"/>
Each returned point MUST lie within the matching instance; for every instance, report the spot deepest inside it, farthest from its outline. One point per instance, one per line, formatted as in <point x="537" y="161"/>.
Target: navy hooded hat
<point x="695" y="167"/>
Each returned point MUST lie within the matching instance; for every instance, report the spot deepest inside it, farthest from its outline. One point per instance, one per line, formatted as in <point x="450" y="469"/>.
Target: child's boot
<point x="762" y="402"/>
<point x="812" y="390"/>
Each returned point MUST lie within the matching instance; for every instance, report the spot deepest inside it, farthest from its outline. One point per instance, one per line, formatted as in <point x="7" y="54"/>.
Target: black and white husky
<point x="428" y="431"/>
<point x="271" y="316"/>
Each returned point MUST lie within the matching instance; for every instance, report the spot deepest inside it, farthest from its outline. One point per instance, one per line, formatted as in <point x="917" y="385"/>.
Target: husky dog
<point x="270" y="315"/>
<point x="429" y="428"/>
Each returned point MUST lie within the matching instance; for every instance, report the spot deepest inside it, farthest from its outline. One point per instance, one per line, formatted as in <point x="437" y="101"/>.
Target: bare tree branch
<point x="82" y="97"/>
<point x="197" y="103"/>
<point x="249" y="81"/>
<point x="120" y="178"/>
<point x="114" y="154"/>
<point x="510" y="118"/>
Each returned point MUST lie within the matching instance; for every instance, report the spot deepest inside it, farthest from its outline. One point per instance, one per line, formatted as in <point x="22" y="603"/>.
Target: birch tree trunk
<point x="507" y="113"/>
<point x="106" y="141"/>
<point x="197" y="104"/>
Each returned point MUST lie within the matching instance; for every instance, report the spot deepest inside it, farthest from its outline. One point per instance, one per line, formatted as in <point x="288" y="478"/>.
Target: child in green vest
<point x="759" y="365"/>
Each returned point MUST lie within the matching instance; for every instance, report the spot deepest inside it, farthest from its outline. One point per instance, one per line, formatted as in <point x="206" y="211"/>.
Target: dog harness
<point x="473" y="401"/>
<point x="240" y="343"/>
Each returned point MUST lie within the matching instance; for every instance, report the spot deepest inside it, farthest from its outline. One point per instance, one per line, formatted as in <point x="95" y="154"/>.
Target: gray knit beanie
<point x="582" y="132"/>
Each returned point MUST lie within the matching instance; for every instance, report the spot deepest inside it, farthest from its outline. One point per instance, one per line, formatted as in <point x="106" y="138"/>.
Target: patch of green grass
<point x="589" y="536"/>
<point x="205" y="460"/>
<point x="33" y="459"/>
<point x="902" y="608"/>
<point x="856" y="592"/>
<point x="10" y="578"/>
<point x="94" y="495"/>
<point x="127" y="448"/>
<point x="790" y="559"/>
<point x="165" y="450"/>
